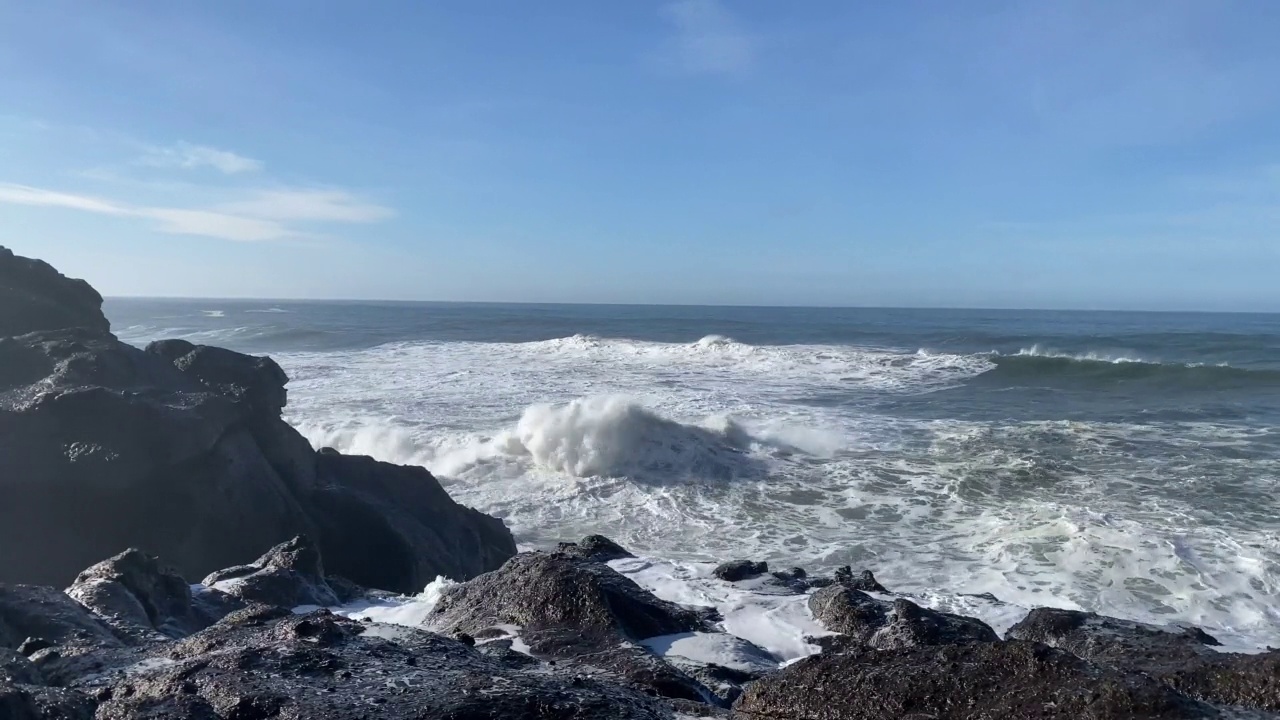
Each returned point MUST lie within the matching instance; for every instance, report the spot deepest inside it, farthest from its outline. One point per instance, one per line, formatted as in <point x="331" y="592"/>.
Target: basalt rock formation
<point x="180" y="450"/>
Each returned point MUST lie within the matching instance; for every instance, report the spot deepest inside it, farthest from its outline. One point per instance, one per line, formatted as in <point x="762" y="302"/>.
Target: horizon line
<point x="957" y="308"/>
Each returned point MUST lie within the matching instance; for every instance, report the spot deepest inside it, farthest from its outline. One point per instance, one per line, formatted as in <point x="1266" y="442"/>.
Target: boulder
<point x="863" y="581"/>
<point x="288" y="575"/>
<point x="1182" y="657"/>
<point x="134" y="592"/>
<point x="180" y="450"/>
<point x="538" y="590"/>
<point x="892" y="625"/>
<point x="34" y="296"/>
<point x="981" y="681"/>
<point x="737" y="570"/>
<point x="597" y="548"/>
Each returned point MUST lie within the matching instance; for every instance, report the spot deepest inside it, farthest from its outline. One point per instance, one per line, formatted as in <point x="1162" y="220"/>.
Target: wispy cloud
<point x="188" y="156"/>
<point x="708" y="38"/>
<point x="265" y="215"/>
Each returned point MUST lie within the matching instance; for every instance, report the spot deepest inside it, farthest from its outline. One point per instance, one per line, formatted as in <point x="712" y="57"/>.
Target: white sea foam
<point x="716" y="449"/>
<point x="214" y="313"/>
<point x="1109" y="357"/>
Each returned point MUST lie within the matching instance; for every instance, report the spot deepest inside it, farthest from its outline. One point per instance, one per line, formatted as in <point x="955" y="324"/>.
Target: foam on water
<point x="705" y="451"/>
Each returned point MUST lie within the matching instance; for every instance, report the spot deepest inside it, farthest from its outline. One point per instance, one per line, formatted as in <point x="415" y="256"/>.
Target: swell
<point x="1097" y="371"/>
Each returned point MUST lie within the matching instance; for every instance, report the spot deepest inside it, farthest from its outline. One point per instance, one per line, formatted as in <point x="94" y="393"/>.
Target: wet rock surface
<point x="1007" y="680"/>
<point x="891" y="625"/>
<point x="180" y="450"/>
<point x="288" y="575"/>
<point x="737" y="570"/>
<point x="1184" y="658"/>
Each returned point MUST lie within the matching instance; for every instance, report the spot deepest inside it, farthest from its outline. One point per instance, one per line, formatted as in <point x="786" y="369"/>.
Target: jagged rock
<point x="288" y="575"/>
<point x="863" y="581"/>
<point x="552" y="590"/>
<point x="1182" y="657"/>
<point x="325" y="667"/>
<point x="594" y="547"/>
<point x="181" y="451"/>
<point x="889" y="625"/>
<point x="395" y="528"/>
<point x="575" y="611"/>
<point x="1006" y="680"/>
<point x="135" y="593"/>
<point x="34" y="297"/>
<point x="736" y="570"/>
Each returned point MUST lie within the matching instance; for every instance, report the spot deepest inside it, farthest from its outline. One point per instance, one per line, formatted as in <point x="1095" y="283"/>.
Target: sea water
<point x="1124" y="463"/>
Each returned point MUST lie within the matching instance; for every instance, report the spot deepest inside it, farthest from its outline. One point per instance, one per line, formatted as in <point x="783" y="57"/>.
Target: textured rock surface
<point x="34" y="296"/>
<point x="137" y="595"/>
<point x="736" y="570"/>
<point x="288" y="575"/>
<point x="180" y="450"/>
<point x="987" y="681"/>
<point x="889" y="625"/>
<point x="1182" y="657"/>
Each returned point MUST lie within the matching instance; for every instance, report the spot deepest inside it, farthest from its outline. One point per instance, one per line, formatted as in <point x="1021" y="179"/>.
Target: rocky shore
<point x="237" y="561"/>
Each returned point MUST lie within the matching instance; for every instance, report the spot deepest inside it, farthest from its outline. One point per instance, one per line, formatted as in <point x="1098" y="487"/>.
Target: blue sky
<point x="1117" y="154"/>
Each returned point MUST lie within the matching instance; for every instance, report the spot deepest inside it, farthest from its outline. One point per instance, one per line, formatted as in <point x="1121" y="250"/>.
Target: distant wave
<point x="1097" y="370"/>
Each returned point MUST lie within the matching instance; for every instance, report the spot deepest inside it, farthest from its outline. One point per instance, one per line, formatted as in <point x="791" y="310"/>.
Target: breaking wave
<point x="1091" y="369"/>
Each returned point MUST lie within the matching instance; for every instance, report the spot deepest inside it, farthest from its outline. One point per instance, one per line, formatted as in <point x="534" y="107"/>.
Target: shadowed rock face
<point x="1184" y="658"/>
<point x="1004" y="680"/>
<point x="34" y="296"/>
<point x="180" y="450"/>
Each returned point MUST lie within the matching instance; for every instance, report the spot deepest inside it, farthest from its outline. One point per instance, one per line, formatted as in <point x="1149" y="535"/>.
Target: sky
<point x="1113" y="154"/>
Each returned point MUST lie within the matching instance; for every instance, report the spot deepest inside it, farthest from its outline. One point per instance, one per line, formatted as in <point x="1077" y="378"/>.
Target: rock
<point x="16" y="669"/>
<point x="134" y="592"/>
<point x="288" y="575"/>
<point x="395" y="528"/>
<point x="594" y="547"/>
<point x="864" y="581"/>
<point x="891" y="625"/>
<point x="324" y="667"/>
<point x="1182" y="657"/>
<point x="740" y="570"/>
<point x="35" y="618"/>
<point x="552" y="590"/>
<point x="180" y="451"/>
<point x="34" y="297"/>
<point x="32" y="702"/>
<point x="1006" y="680"/>
<point x="583" y="614"/>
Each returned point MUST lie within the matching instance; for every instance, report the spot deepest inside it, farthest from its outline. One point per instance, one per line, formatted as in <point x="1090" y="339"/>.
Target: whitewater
<point x="982" y="465"/>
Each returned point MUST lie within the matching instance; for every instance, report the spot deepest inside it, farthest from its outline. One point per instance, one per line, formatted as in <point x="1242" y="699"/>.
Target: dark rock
<point x="864" y="581"/>
<point x="16" y="669"/>
<point x="1182" y="657"/>
<point x="740" y="570"/>
<point x="34" y="297"/>
<point x="1005" y="680"/>
<point x="256" y="381"/>
<point x="795" y="580"/>
<point x="35" y="617"/>
<point x="33" y="645"/>
<point x="33" y="702"/>
<point x="330" y="668"/>
<point x="395" y="528"/>
<point x="135" y="592"/>
<point x="889" y="625"/>
<point x="594" y="547"/>
<point x="180" y="451"/>
<point x="543" y="591"/>
<point x="465" y="639"/>
<point x="288" y="575"/>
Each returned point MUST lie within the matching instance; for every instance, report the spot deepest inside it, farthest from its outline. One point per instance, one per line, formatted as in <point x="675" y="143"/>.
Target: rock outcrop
<point x="180" y="450"/>
<point x="980" y="681"/>
<point x="892" y="625"/>
<point x="1183" y="658"/>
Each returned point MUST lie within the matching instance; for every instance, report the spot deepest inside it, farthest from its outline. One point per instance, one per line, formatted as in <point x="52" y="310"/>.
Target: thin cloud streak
<point x="187" y="156"/>
<point x="258" y="219"/>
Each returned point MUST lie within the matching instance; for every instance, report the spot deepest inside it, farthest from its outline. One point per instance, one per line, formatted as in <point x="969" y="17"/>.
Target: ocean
<point x="1124" y="463"/>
